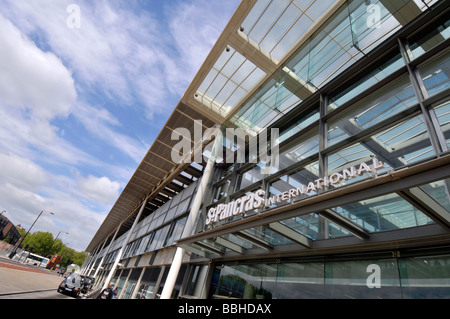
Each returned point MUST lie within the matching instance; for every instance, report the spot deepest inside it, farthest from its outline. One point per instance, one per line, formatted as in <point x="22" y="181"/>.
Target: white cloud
<point x="31" y="79"/>
<point x="21" y="172"/>
<point x="101" y="189"/>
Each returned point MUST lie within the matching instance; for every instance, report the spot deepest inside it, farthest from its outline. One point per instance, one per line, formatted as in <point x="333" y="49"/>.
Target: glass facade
<point x="363" y="116"/>
<point x="380" y="278"/>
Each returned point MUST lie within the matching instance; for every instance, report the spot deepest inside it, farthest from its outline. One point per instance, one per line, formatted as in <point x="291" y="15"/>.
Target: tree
<point x="43" y="243"/>
<point x="40" y="242"/>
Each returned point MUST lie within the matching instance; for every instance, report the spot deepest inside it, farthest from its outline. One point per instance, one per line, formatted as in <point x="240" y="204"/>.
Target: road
<point x="46" y="294"/>
<point x="19" y="281"/>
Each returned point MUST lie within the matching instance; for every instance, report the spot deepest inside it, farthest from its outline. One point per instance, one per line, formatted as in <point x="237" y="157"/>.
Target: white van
<point x="72" y="284"/>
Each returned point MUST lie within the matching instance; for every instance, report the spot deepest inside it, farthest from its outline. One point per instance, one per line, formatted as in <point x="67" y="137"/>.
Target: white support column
<point x="125" y="243"/>
<point x="178" y="258"/>
<point x="92" y="261"/>
<point x="107" y="251"/>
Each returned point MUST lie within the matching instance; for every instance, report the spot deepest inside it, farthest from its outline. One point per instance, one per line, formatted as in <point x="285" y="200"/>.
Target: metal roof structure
<point x="255" y="74"/>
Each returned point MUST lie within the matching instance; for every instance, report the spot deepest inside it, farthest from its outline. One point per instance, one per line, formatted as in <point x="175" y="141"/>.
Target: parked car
<point x="73" y="284"/>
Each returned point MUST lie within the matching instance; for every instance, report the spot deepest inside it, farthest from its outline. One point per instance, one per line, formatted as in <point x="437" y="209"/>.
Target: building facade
<point x="8" y="232"/>
<point x="329" y="174"/>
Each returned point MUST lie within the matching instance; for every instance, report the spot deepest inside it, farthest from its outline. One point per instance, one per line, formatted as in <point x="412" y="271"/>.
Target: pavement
<point x="16" y="277"/>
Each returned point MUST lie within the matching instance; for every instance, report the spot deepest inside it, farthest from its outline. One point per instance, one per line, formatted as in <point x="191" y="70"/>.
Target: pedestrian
<point x="107" y="293"/>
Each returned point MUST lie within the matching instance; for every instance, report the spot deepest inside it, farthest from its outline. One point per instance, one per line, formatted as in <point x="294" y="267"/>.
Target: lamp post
<point x="17" y="245"/>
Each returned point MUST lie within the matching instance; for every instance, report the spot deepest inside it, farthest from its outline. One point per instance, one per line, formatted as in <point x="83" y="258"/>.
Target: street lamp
<point x="17" y="245"/>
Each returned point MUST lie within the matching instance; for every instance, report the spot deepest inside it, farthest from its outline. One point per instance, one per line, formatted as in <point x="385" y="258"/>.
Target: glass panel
<point x="239" y="241"/>
<point x="396" y="147"/>
<point x="329" y="48"/>
<point x="388" y="212"/>
<point x="299" y="178"/>
<point x="305" y="147"/>
<point x="369" y="80"/>
<point x="353" y="279"/>
<point x="353" y="156"/>
<point x="258" y="280"/>
<point x="268" y="236"/>
<point x="221" y="191"/>
<point x="251" y="176"/>
<point x="435" y="74"/>
<point x="334" y="231"/>
<point x="379" y="106"/>
<point x="404" y="143"/>
<point x="300" y="280"/>
<point x="443" y="116"/>
<point x="426" y="277"/>
<point x="387" y="278"/>
<point x="225" y="284"/>
<point x="298" y="126"/>
<point x="432" y="38"/>
<point x="128" y="290"/>
<point x="148" y="283"/>
<point x="176" y="231"/>
<point x="371" y="22"/>
<point x="439" y="191"/>
<point x="307" y="225"/>
<point x="194" y="286"/>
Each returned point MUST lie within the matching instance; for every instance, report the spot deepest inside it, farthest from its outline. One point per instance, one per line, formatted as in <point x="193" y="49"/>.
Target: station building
<point x="347" y="196"/>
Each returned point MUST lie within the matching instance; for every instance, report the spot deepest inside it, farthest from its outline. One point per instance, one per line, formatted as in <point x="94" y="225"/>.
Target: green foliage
<point x="43" y="243"/>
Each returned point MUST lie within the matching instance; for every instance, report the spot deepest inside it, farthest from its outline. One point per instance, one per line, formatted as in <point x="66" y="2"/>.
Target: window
<point x="221" y="191"/>
<point x="381" y="105"/>
<point x="176" y="230"/>
<point x="435" y="74"/>
<point x="253" y="175"/>
<point x="397" y="146"/>
<point x="388" y="212"/>
<point x="442" y="112"/>
<point x="430" y="39"/>
<point x="366" y="82"/>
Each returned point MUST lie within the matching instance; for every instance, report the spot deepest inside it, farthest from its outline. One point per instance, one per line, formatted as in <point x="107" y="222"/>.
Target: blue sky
<point x="80" y="107"/>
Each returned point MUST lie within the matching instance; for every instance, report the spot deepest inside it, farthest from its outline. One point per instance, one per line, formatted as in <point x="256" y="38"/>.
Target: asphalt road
<point x="19" y="281"/>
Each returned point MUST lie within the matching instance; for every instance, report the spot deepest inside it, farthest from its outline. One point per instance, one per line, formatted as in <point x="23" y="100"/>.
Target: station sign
<point x="258" y="199"/>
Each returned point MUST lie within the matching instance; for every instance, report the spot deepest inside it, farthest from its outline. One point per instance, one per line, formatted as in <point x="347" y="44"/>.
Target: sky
<point x="85" y="88"/>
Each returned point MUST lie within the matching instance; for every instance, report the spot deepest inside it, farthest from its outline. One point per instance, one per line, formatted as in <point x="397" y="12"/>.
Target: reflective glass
<point x="251" y="176"/>
<point x="443" y="116"/>
<point x="330" y="48"/>
<point x="369" y="80"/>
<point x="307" y="225"/>
<point x="221" y="191"/>
<point x="435" y="74"/>
<point x="377" y="107"/>
<point x="388" y="212"/>
<point x="176" y="231"/>
<point x="268" y="236"/>
<point x="398" y="146"/>
<point x="362" y="279"/>
<point x="353" y="156"/>
<point x="305" y="147"/>
<point x="239" y="241"/>
<point x="426" y="277"/>
<point x="299" y="125"/>
<point x="439" y="191"/>
<point x="432" y="38"/>
<point x="371" y="21"/>
<point x="293" y="180"/>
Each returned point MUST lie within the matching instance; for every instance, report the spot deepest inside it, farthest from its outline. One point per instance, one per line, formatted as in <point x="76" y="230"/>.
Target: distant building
<point x="8" y="232"/>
